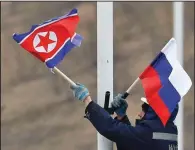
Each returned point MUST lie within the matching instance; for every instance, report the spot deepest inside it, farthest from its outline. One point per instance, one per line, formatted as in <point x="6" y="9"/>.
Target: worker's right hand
<point x="80" y="91"/>
<point x="119" y="105"/>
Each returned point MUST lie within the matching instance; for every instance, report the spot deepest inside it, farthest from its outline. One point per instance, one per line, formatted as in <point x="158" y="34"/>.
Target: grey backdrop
<point x="38" y="109"/>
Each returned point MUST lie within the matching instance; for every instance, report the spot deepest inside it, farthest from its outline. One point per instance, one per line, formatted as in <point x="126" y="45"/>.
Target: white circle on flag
<point x="50" y="46"/>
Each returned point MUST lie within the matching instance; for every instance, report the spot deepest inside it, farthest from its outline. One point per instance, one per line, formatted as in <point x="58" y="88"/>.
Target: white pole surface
<point x="178" y="35"/>
<point x="105" y="61"/>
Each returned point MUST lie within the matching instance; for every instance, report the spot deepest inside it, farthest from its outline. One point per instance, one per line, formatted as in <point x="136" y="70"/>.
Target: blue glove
<point x="119" y="105"/>
<point x="80" y="91"/>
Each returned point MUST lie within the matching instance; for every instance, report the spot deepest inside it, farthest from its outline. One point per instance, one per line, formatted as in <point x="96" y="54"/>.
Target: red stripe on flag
<point x="152" y="84"/>
<point x="150" y="81"/>
<point x="159" y="107"/>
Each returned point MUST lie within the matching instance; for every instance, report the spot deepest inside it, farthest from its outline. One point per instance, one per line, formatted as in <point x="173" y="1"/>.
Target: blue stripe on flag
<point x="77" y="40"/>
<point x="163" y="67"/>
<point x="169" y="95"/>
<point x="73" y="11"/>
<point x="19" y="37"/>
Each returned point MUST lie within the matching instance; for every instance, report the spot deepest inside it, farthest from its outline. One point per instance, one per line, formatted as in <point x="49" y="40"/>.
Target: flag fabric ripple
<point x="165" y="82"/>
<point x="51" y="40"/>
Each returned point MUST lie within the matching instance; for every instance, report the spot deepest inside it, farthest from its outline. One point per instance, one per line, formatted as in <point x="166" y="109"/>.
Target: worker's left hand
<point x="119" y="105"/>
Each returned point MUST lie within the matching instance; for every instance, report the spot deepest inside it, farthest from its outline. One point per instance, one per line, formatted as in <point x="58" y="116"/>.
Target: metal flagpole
<point x="104" y="61"/>
<point x="178" y="35"/>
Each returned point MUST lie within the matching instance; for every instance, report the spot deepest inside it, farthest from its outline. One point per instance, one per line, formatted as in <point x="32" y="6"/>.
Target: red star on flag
<point x="45" y="41"/>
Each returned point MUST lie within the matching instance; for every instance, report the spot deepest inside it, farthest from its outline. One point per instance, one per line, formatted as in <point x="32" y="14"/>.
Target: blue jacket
<point x="148" y="134"/>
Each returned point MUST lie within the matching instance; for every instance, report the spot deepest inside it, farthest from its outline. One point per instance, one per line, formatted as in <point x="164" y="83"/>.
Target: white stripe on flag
<point x="178" y="77"/>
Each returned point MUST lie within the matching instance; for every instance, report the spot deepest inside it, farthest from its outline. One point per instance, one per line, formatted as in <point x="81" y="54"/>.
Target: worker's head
<point x="145" y="107"/>
<point x="148" y="113"/>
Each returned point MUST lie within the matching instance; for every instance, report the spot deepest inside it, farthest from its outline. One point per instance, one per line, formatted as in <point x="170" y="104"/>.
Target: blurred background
<point x="38" y="111"/>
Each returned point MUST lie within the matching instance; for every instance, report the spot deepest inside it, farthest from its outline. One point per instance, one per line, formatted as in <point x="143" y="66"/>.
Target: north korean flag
<point x="51" y="40"/>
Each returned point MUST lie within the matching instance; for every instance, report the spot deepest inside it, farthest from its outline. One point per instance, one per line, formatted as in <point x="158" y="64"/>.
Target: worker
<point x="149" y="133"/>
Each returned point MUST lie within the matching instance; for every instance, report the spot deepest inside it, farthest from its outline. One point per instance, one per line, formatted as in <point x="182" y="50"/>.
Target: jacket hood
<point x="151" y="115"/>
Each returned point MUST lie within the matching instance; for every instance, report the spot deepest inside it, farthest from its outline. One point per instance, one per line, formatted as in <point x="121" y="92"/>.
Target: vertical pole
<point x="105" y="61"/>
<point x="178" y="35"/>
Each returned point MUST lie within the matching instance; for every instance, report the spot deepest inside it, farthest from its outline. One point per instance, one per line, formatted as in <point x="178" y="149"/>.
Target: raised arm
<point x="110" y="128"/>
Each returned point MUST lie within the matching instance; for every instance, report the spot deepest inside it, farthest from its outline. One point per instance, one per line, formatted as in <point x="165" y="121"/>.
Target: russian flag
<point x="51" y="40"/>
<point x="165" y="82"/>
